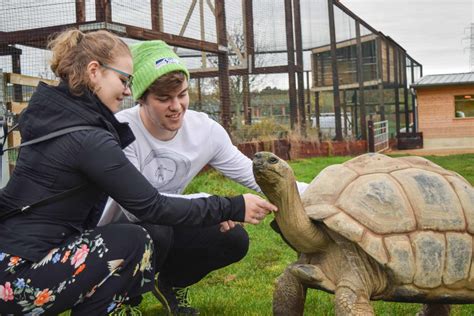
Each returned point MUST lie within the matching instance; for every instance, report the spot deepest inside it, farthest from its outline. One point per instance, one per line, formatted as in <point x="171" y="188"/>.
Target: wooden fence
<point x="14" y="89"/>
<point x="286" y="149"/>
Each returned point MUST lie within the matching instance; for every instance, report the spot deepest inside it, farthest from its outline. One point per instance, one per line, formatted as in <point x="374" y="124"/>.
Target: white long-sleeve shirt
<point x="170" y="165"/>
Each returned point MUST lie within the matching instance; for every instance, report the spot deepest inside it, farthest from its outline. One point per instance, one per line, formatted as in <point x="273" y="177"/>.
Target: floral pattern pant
<point x="91" y="274"/>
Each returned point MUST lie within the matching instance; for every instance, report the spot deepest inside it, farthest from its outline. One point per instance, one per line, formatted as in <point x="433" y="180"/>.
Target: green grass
<point x="246" y="288"/>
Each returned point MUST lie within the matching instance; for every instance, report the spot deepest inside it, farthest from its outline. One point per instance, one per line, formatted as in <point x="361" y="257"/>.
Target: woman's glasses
<point x="127" y="84"/>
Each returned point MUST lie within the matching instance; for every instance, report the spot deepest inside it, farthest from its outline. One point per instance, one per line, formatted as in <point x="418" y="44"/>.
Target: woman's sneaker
<point x="130" y="308"/>
<point x="175" y="300"/>
<point x="127" y="310"/>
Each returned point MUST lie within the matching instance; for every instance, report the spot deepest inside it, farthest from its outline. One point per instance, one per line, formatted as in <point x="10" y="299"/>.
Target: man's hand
<point x="226" y="226"/>
<point x="257" y="208"/>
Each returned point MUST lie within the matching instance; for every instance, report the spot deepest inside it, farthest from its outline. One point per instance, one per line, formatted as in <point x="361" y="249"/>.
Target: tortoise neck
<point x="294" y="223"/>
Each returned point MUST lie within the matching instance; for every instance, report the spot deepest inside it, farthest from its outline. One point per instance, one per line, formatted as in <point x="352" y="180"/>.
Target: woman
<point x="49" y="260"/>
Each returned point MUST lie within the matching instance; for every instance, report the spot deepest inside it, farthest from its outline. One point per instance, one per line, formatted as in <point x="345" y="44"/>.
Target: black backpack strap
<point x="49" y="199"/>
<point x="54" y="135"/>
<point x="58" y="196"/>
<point x="6" y="132"/>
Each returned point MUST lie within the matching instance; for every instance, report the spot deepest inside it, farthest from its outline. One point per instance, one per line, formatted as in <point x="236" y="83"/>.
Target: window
<point x="464" y="106"/>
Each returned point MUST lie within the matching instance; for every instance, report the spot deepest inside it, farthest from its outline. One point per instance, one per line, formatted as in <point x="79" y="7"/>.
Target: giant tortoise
<point x="373" y="228"/>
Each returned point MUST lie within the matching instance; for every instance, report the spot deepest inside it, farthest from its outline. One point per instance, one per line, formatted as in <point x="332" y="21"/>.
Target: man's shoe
<point x="175" y="300"/>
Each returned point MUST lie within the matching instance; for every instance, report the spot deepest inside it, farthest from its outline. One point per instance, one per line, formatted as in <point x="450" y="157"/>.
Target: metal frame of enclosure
<point x="368" y="75"/>
<point x="362" y="75"/>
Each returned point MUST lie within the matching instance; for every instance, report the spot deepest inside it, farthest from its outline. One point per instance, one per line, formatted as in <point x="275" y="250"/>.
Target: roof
<point x="445" y="80"/>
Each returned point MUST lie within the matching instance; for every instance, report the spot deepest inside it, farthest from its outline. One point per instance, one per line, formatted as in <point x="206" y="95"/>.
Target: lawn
<point x="246" y="287"/>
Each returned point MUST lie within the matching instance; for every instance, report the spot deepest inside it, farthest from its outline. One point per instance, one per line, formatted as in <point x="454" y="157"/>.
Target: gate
<point x="378" y="136"/>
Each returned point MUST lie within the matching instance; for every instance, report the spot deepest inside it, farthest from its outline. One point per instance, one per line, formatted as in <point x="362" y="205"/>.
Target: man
<point x="172" y="145"/>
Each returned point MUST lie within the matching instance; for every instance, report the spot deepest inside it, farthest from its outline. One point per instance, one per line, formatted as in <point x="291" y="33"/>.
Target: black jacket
<point x="92" y="157"/>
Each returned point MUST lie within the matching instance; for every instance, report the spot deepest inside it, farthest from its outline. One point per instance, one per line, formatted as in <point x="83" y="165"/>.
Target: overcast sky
<point x="434" y="32"/>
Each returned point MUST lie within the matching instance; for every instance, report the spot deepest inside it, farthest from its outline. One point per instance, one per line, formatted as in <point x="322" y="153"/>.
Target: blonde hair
<point x="73" y="50"/>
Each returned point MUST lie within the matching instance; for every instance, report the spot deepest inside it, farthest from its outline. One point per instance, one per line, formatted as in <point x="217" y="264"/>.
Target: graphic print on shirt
<point x="166" y="169"/>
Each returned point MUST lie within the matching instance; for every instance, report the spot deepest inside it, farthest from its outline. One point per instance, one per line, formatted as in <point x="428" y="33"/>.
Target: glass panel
<point x="327" y="119"/>
<point x="409" y="71"/>
<point x="391" y="64"/>
<point x="417" y="68"/>
<point x="401" y="67"/>
<point x="384" y="58"/>
<point x="349" y="112"/>
<point x="322" y="69"/>
<point x="347" y="64"/>
<point x="464" y="106"/>
<point x="388" y="109"/>
<point x="369" y="60"/>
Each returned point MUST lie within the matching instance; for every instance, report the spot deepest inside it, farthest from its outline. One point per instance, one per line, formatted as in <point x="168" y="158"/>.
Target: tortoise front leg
<point x="435" y="310"/>
<point x="289" y="295"/>
<point x="352" y="303"/>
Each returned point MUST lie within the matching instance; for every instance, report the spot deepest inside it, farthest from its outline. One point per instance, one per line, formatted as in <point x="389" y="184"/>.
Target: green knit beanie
<point x="151" y="60"/>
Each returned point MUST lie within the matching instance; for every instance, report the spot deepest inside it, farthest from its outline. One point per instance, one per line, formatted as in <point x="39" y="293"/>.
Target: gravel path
<point x="433" y="151"/>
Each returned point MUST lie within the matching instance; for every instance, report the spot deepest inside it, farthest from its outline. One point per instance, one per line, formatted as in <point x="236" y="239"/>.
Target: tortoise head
<point x="272" y="173"/>
<point x="277" y="181"/>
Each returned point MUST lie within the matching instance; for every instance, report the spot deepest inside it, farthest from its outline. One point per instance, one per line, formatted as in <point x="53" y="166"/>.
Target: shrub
<point x="267" y="129"/>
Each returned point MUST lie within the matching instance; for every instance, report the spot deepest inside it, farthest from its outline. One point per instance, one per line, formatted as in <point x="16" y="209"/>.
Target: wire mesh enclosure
<point x="304" y="64"/>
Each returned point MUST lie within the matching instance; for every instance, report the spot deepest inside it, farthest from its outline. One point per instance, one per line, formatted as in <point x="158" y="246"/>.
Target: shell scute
<point x="374" y="246"/>
<point x="434" y="201"/>
<point x="378" y="202"/>
<point x="430" y="249"/>
<point x="375" y="163"/>
<point x="458" y="257"/>
<point x="321" y="211"/>
<point x="328" y="185"/>
<point x="402" y="258"/>
<point x="425" y="164"/>
<point x="465" y="193"/>
<point x="345" y="226"/>
<point x="470" y="281"/>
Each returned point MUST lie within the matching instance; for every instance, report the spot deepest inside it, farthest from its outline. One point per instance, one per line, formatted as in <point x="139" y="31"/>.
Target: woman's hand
<point x="256" y="208"/>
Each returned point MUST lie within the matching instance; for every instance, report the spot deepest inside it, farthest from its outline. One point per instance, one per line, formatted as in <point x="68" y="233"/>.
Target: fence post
<point x="370" y="127"/>
<point x="4" y="165"/>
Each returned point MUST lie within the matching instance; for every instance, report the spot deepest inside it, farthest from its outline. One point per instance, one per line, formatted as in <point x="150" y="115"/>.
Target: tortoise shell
<point x="409" y="214"/>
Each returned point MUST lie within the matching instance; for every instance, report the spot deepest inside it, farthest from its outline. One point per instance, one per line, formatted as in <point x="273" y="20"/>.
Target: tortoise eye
<point x="273" y="160"/>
